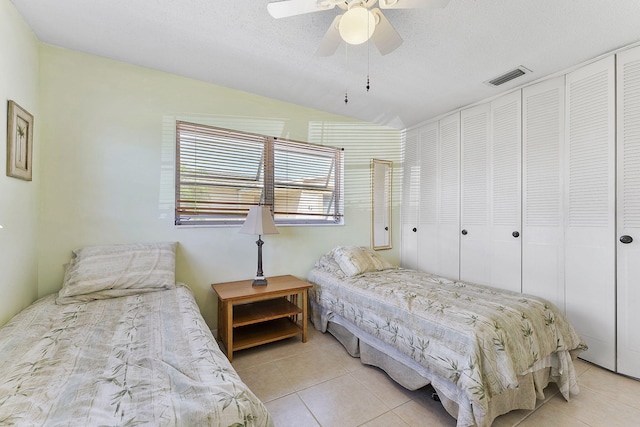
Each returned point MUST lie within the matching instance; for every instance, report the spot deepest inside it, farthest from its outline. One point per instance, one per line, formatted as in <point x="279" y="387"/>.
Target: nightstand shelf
<point x="253" y="315"/>
<point x="263" y="333"/>
<point x="262" y="311"/>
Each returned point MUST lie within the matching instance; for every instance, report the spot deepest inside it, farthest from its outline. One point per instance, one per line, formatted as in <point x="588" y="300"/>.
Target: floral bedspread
<point x="477" y="337"/>
<point x="147" y="359"/>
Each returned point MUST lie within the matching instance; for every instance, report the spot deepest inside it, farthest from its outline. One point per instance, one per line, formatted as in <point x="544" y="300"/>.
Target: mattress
<point x="143" y="359"/>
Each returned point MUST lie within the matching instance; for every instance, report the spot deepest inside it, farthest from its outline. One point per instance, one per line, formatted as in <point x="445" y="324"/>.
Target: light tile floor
<point x="319" y="384"/>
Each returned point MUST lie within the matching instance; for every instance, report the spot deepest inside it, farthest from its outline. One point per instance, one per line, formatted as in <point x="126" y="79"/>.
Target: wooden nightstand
<point x="254" y="315"/>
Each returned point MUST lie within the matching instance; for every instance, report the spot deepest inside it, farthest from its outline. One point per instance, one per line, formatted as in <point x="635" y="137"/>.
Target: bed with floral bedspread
<point x="119" y="345"/>
<point x="480" y="347"/>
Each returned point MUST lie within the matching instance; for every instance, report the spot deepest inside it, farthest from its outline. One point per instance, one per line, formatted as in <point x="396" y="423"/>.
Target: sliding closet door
<point x="410" y="201"/>
<point x="428" y="255"/>
<point x="590" y="223"/>
<point x="628" y="224"/>
<point x="438" y="213"/>
<point x="505" y="193"/>
<point x="475" y="240"/>
<point x="490" y="250"/>
<point x="542" y="188"/>
<point x="449" y="198"/>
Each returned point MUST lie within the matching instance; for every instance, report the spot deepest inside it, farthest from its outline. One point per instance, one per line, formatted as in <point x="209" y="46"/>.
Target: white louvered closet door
<point x="475" y="239"/>
<point x="589" y="203"/>
<point x="542" y="189"/>
<point x="505" y="192"/>
<point x="628" y="224"/>
<point x="410" y="201"/>
<point x="428" y="255"/>
<point x="449" y="198"/>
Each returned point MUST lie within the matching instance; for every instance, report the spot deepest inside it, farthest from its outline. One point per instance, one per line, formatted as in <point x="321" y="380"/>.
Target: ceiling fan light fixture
<point x="357" y="25"/>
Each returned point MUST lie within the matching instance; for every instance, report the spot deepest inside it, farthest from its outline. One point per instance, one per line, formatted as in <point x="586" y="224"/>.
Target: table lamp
<point x="259" y="221"/>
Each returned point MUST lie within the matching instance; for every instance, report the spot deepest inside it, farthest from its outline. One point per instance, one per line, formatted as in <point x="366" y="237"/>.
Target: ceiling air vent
<point x="508" y="76"/>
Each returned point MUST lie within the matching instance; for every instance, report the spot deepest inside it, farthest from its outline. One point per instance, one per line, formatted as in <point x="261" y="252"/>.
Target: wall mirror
<point x="381" y="172"/>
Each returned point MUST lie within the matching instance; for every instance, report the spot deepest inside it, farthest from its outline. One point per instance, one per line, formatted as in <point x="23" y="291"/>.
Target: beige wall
<point x="18" y="198"/>
<point x="107" y="149"/>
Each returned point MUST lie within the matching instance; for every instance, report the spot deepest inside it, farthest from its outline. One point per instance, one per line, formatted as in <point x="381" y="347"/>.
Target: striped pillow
<point x="354" y="260"/>
<point x="101" y="272"/>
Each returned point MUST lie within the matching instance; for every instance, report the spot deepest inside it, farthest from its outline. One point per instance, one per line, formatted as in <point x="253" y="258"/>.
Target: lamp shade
<point x="259" y="221"/>
<point x="357" y="25"/>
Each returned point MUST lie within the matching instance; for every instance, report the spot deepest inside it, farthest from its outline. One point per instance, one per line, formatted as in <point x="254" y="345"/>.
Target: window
<point x="221" y="173"/>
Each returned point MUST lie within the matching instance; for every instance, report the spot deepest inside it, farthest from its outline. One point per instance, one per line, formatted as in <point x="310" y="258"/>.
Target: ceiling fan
<point x="359" y="22"/>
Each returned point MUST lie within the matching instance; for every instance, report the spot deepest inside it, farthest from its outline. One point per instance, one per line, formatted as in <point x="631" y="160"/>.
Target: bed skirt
<point x="411" y="375"/>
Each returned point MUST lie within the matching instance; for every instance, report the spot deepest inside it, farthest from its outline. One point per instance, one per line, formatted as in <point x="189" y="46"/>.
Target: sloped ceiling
<point x="446" y="56"/>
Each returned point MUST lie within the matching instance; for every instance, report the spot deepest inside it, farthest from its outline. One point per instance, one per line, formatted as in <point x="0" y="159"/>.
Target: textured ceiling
<point x="446" y="56"/>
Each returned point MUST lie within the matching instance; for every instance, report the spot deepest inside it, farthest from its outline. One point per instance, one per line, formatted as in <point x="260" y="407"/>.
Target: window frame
<point x="202" y="203"/>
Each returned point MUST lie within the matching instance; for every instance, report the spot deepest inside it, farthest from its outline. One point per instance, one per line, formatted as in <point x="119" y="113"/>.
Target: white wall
<point x="107" y="170"/>
<point x="18" y="198"/>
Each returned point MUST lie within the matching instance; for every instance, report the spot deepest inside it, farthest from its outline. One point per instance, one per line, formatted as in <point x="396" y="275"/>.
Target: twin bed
<point x="120" y="344"/>
<point x="485" y="351"/>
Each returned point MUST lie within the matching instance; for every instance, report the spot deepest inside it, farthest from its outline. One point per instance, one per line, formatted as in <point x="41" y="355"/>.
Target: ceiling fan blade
<point x="412" y="4"/>
<point x="385" y="37"/>
<point x="331" y="40"/>
<point x="286" y="8"/>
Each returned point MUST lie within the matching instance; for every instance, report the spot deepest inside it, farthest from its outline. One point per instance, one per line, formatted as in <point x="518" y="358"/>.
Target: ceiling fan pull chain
<point x="368" y="58"/>
<point x="346" y="65"/>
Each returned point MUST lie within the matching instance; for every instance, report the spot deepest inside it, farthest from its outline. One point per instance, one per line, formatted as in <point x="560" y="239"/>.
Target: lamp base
<point x="259" y="281"/>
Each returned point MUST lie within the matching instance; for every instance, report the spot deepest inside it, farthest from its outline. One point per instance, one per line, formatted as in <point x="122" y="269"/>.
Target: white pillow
<point x="354" y="260"/>
<point x="378" y="262"/>
<point x="100" y="272"/>
<point x="327" y="263"/>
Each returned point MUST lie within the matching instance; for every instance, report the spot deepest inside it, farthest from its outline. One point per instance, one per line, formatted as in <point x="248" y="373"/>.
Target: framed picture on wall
<point x="19" y="142"/>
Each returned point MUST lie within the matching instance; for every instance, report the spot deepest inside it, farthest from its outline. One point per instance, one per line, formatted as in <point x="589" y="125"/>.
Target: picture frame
<point x="19" y="142"/>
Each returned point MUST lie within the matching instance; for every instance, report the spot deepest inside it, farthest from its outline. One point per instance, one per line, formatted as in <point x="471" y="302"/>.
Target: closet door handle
<point x="414" y="229"/>
<point x="464" y="232"/>
<point x="515" y="234"/>
<point x="386" y="229"/>
<point x="626" y="239"/>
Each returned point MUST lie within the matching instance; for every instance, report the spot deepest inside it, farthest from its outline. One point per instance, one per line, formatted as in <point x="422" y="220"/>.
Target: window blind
<point x="307" y="183"/>
<point x="221" y="173"/>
